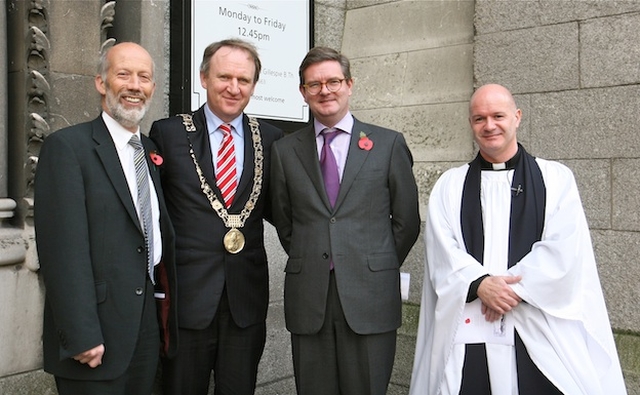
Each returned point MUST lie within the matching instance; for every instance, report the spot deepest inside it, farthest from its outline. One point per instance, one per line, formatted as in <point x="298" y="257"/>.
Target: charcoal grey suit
<point x="368" y="233"/>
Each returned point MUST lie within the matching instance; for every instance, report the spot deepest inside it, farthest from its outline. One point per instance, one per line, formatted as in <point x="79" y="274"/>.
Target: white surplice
<point x="562" y="320"/>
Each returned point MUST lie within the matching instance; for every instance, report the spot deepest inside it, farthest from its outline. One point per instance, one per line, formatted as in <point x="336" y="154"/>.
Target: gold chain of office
<point x="234" y="240"/>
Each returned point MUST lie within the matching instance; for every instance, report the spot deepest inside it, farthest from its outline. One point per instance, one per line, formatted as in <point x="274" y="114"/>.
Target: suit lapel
<point x="157" y="182"/>
<point x="307" y="152"/>
<point x="153" y="170"/>
<point x="106" y="150"/>
<point x="246" y="178"/>
<point x="202" y="149"/>
<point x="355" y="159"/>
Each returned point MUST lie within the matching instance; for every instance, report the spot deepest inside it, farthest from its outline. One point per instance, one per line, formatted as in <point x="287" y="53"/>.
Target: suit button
<point x="139" y="291"/>
<point x="140" y="250"/>
<point x="325" y="256"/>
<point x="332" y="220"/>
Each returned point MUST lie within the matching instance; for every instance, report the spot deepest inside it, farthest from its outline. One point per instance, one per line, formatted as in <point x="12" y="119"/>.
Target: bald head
<point x="494" y="119"/>
<point x="491" y="92"/>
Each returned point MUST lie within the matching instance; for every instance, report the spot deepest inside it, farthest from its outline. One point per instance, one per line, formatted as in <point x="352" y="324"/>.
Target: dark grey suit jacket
<point x="91" y="250"/>
<point x="368" y="234"/>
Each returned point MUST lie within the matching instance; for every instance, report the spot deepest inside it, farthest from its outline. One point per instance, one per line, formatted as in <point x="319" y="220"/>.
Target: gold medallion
<point x="233" y="241"/>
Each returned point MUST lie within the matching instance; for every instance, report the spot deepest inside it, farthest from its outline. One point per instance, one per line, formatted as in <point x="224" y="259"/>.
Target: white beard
<point x="129" y="118"/>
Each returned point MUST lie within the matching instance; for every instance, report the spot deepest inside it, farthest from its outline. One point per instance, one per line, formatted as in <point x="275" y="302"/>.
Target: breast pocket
<point x="371" y="175"/>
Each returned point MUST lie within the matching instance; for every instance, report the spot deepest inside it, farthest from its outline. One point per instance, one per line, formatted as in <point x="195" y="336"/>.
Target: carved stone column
<point x="7" y="205"/>
<point x="12" y="248"/>
<point x="3" y="101"/>
<point x="25" y="87"/>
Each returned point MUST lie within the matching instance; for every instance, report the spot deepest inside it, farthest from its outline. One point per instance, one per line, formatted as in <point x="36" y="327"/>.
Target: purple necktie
<point x="329" y="166"/>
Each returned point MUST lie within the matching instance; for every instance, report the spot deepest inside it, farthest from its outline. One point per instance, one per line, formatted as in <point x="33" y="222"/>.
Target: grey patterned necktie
<point x="144" y="199"/>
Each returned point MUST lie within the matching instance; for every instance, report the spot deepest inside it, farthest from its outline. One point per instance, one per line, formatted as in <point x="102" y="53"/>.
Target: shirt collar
<point x="345" y="124"/>
<point x="508" y="165"/>
<point x="214" y="122"/>
<point x="119" y="134"/>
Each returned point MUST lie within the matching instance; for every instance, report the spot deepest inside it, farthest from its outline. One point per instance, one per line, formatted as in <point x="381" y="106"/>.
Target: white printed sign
<point x="280" y="31"/>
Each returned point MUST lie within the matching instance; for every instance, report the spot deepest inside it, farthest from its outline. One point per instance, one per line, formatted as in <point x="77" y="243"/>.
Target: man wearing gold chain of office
<point x="215" y="167"/>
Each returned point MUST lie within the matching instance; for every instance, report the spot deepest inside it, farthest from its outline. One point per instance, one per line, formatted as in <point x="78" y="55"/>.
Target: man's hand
<point x="490" y="314"/>
<point x="92" y="357"/>
<point x="497" y="296"/>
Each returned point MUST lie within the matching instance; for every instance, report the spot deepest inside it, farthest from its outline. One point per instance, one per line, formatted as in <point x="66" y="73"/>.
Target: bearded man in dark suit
<point x="105" y="246"/>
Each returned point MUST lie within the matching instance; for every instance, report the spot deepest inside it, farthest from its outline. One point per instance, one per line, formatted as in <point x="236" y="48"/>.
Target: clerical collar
<point x="508" y="165"/>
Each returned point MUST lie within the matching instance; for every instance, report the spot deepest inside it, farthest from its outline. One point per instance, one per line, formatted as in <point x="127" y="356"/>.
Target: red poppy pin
<point x="365" y="143"/>
<point x="156" y="158"/>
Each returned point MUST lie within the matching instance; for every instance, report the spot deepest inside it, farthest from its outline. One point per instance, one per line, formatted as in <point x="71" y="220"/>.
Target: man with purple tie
<point x="345" y="204"/>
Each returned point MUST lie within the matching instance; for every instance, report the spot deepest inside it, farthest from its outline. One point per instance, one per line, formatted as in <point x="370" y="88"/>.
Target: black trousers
<point x="231" y="352"/>
<point x="337" y="360"/>
<point x="139" y="377"/>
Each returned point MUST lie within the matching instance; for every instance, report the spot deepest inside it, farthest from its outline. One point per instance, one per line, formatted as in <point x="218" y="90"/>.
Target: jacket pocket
<point x="101" y="291"/>
<point x="385" y="261"/>
<point x="294" y="265"/>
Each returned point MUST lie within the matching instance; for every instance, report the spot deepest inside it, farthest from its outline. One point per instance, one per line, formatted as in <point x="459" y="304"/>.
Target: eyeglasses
<point x="315" y="87"/>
